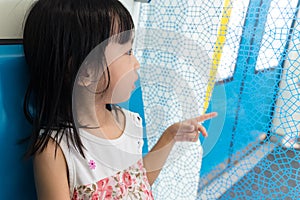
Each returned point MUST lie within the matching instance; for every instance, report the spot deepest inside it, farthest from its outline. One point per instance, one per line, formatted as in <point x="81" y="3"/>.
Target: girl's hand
<point x="188" y="130"/>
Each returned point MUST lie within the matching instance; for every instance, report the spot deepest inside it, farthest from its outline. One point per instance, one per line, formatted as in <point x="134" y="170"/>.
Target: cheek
<point x="121" y="73"/>
<point x="121" y="85"/>
<point x="121" y="80"/>
<point x="120" y="91"/>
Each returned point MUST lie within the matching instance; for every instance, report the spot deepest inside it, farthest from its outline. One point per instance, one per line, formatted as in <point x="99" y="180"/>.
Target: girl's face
<point x="123" y="66"/>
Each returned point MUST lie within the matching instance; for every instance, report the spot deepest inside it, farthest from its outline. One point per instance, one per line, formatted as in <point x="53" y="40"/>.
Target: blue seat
<point x="17" y="180"/>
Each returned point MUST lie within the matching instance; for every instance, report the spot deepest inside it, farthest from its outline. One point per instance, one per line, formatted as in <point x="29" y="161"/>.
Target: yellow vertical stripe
<point x="218" y="49"/>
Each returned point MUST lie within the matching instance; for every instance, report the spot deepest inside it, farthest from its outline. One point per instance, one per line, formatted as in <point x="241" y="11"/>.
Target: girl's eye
<point x="130" y="52"/>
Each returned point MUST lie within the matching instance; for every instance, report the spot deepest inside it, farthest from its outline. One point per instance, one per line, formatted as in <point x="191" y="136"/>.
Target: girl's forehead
<point x="121" y="40"/>
<point x="115" y="46"/>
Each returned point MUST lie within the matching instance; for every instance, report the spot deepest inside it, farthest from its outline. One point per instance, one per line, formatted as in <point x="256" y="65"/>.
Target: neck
<point x="90" y="111"/>
<point x="108" y="126"/>
<point x="103" y="115"/>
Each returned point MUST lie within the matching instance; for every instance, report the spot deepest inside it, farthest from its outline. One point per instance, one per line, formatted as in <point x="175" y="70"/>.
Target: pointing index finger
<point x="206" y="116"/>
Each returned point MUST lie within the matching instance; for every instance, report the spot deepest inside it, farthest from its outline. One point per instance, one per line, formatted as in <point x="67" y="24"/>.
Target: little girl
<point x="81" y="65"/>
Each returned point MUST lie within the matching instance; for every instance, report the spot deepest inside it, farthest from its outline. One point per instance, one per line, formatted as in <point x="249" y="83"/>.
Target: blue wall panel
<point x="16" y="173"/>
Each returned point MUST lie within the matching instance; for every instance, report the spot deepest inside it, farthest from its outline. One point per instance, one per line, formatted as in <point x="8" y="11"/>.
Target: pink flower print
<point x="104" y="189"/>
<point x="140" y="164"/>
<point x="75" y="195"/>
<point x="109" y="191"/>
<point x="146" y="191"/>
<point x="92" y="164"/>
<point x="134" y="181"/>
<point x="127" y="179"/>
<point x="145" y="179"/>
<point x="123" y="190"/>
<point x="95" y="196"/>
<point x="102" y="184"/>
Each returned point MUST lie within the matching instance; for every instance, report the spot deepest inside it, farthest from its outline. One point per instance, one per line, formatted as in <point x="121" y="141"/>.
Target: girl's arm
<point x="50" y="173"/>
<point x="181" y="131"/>
<point x="155" y="159"/>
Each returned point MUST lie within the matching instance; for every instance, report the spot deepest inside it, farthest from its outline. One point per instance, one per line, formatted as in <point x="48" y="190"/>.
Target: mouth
<point x="136" y="79"/>
<point x="133" y="85"/>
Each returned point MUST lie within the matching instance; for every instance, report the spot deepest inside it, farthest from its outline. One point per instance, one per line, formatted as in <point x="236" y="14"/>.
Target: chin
<point x="120" y="99"/>
<point x="121" y="96"/>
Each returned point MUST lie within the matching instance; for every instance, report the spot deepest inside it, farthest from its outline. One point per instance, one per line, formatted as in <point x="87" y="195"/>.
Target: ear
<point x="84" y="81"/>
<point x="90" y="76"/>
<point x="87" y="76"/>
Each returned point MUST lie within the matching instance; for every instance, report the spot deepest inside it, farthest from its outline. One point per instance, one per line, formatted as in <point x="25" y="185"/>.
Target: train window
<point x="233" y="36"/>
<point x="276" y="33"/>
<point x="12" y="14"/>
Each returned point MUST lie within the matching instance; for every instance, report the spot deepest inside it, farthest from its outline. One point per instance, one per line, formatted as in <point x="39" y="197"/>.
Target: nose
<point x="136" y="63"/>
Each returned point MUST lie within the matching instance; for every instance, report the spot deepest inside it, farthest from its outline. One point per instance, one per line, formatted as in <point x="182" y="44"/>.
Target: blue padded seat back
<point x="16" y="175"/>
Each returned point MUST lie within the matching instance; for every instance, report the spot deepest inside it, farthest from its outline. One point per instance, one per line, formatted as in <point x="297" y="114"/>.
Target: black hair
<point x="58" y="35"/>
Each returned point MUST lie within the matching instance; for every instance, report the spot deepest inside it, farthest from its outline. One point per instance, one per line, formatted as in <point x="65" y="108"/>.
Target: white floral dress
<point x="111" y="169"/>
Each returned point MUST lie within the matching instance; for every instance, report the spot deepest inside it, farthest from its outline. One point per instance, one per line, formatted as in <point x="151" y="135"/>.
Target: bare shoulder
<point x="50" y="171"/>
<point x="49" y="152"/>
